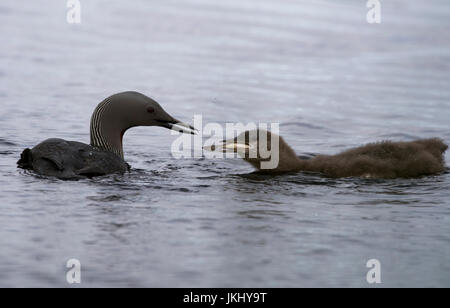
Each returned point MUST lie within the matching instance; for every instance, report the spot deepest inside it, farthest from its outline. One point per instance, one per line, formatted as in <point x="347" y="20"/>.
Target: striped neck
<point x="106" y="133"/>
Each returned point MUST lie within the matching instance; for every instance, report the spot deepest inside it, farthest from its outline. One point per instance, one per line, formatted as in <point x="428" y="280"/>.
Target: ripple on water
<point x="6" y="152"/>
<point x="400" y="136"/>
<point x="4" y="142"/>
<point x="110" y="198"/>
<point x="303" y="125"/>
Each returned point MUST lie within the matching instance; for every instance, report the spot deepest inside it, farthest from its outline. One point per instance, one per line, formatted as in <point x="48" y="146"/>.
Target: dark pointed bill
<point x="179" y="126"/>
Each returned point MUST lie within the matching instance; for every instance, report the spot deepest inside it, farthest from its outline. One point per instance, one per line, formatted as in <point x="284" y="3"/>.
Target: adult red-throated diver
<point x="385" y="159"/>
<point x="109" y="122"/>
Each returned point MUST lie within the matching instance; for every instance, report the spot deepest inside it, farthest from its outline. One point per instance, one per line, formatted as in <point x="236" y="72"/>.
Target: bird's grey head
<point x="136" y="109"/>
<point x="122" y="111"/>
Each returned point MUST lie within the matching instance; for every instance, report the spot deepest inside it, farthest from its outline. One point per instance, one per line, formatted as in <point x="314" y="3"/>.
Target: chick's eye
<point x="150" y="110"/>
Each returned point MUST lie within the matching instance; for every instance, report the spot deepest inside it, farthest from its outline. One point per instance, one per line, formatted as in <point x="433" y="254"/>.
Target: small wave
<point x="6" y="142"/>
<point x="307" y="125"/>
<point x="181" y="189"/>
<point x="105" y="199"/>
<point x="399" y="135"/>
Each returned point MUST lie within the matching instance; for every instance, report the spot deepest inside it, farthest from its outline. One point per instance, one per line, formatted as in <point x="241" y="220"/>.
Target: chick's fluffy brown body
<point x="385" y="159"/>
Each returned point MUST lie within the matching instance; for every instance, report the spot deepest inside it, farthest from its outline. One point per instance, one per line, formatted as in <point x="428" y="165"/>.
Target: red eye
<point x="150" y="110"/>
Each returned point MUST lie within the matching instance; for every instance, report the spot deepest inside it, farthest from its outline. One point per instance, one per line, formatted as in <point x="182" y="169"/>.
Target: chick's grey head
<point x="249" y="144"/>
<point x="266" y="151"/>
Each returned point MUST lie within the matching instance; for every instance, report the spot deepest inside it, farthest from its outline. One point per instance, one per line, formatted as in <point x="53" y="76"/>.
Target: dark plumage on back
<point x="70" y="160"/>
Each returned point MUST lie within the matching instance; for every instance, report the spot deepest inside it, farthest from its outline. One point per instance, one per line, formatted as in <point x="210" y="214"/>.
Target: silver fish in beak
<point x="229" y="146"/>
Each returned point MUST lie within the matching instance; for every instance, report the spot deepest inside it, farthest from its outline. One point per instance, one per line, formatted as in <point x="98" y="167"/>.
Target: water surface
<point x="332" y="81"/>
